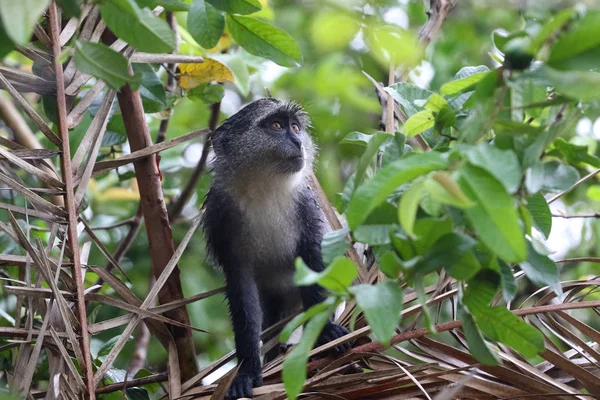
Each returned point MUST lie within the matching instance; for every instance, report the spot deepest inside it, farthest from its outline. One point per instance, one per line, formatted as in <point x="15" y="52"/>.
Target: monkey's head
<point x="268" y="137"/>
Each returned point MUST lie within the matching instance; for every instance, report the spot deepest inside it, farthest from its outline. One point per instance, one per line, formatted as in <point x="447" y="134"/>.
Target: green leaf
<point x="301" y="318"/>
<point x="443" y="188"/>
<point x="206" y="93"/>
<point x="152" y="90"/>
<point x="461" y="85"/>
<point x="334" y="244"/>
<point x="112" y="138"/>
<point x="294" y="364"/>
<point x="264" y="40"/>
<point x="436" y="102"/>
<point x="6" y="45"/>
<point x="138" y="27"/>
<point x="372" y="148"/>
<point x="390" y="264"/>
<point x="498" y="323"/>
<point x="477" y="345"/>
<point x="137" y="393"/>
<point x="446" y="251"/>
<point x="550" y="176"/>
<point x="502" y="164"/>
<point x="418" y="123"/>
<point x="70" y="8"/>
<point x="332" y="30"/>
<point x="19" y="18"/>
<point x="374" y="235"/>
<point x="501" y="325"/>
<point x="593" y="192"/>
<point x="108" y="346"/>
<point x="395" y="149"/>
<point x="408" y="96"/>
<point x="151" y="387"/>
<point x="428" y="231"/>
<point x="494" y="217"/>
<point x="357" y="138"/>
<point x="205" y="23"/>
<point x="375" y="191"/>
<point x="237" y="6"/>
<point x="507" y="281"/>
<point x="382" y="305"/>
<point x="540" y="211"/>
<point x="465" y="268"/>
<point x="578" y="85"/>
<point x="102" y="62"/>
<point x="168" y="5"/>
<point x="238" y="68"/>
<point x="389" y="43"/>
<point x="337" y="276"/>
<point x="559" y="20"/>
<point x="583" y="35"/>
<point x="574" y="154"/>
<point x="408" y="206"/>
<point x="541" y="270"/>
<point x="503" y="127"/>
<point x="458" y="101"/>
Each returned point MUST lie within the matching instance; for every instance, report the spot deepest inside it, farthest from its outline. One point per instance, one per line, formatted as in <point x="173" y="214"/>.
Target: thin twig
<point x="568" y="216"/>
<point x="580" y="259"/>
<point x="35" y="117"/>
<point x="70" y="199"/>
<point x="115" y="387"/>
<point x="117" y="224"/>
<point x="165" y="58"/>
<point x="579" y="182"/>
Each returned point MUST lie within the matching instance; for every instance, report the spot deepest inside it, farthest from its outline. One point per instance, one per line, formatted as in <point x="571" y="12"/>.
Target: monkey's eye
<point x="276" y="126"/>
<point x="295" y="128"/>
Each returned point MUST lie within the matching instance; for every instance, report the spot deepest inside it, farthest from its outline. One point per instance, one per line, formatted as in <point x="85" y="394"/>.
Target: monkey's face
<point x="268" y="136"/>
<point x="282" y="135"/>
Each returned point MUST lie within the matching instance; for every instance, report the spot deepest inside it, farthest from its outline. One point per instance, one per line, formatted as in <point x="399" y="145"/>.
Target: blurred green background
<point x="340" y="99"/>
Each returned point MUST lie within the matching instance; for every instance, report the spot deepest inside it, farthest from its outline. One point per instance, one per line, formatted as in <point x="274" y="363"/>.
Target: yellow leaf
<point x="210" y="70"/>
<point x="223" y="43"/>
<point x="118" y="194"/>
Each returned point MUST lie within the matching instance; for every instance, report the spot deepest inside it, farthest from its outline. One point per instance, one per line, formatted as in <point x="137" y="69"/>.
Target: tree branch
<point x="157" y="225"/>
<point x="70" y="200"/>
<point x="438" y="11"/>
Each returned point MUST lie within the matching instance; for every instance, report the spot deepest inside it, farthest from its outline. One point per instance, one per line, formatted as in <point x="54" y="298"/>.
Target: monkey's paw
<point x="242" y="386"/>
<point x="330" y="332"/>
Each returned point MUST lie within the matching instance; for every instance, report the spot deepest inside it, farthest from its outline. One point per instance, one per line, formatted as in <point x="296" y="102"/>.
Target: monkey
<point x="259" y="214"/>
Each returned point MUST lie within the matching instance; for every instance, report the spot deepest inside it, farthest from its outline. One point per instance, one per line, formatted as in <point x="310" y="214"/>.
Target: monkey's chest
<point x="271" y="237"/>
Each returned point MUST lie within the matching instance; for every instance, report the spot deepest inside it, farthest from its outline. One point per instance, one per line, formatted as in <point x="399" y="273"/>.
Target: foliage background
<point x="340" y="100"/>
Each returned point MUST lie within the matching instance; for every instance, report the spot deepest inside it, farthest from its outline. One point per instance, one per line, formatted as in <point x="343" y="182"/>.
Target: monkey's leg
<point x="312" y="295"/>
<point x="246" y="315"/>
<point x="273" y="312"/>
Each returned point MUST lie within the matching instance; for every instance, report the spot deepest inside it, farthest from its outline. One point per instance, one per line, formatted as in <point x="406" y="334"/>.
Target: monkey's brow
<point x="283" y="114"/>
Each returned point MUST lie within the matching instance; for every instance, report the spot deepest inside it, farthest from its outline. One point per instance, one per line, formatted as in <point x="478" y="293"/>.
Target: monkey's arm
<point x="221" y="226"/>
<point x="310" y="250"/>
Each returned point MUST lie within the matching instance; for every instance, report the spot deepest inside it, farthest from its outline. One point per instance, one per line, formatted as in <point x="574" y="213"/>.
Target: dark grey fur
<point x="260" y="214"/>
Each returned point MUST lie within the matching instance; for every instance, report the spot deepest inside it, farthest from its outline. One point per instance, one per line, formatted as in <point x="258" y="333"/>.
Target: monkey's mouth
<point x="295" y="163"/>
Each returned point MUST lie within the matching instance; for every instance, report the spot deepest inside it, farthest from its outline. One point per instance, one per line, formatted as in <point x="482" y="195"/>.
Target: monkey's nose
<point x="297" y="142"/>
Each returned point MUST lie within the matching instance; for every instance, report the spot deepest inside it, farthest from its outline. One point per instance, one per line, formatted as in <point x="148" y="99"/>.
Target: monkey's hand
<point x="242" y="386"/>
<point x="330" y="332"/>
